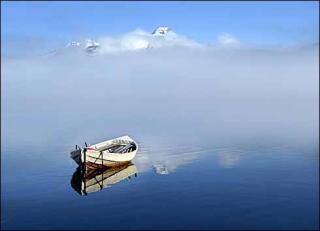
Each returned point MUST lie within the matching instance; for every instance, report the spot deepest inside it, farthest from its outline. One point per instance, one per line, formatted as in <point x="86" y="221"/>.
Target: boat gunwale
<point x="106" y="144"/>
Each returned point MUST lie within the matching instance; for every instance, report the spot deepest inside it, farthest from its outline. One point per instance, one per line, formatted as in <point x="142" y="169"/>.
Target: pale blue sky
<point x="257" y="23"/>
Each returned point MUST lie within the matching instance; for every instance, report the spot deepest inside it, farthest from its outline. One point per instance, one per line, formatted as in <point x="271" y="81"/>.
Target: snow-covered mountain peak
<point x="91" y="45"/>
<point x="161" y="31"/>
<point x="73" y="44"/>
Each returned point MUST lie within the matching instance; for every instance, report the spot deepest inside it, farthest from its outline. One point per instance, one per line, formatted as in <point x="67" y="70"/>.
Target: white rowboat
<point x="108" y="153"/>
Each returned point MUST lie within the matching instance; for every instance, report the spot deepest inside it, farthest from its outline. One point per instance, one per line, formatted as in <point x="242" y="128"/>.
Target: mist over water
<point x="171" y="93"/>
<point x="182" y="105"/>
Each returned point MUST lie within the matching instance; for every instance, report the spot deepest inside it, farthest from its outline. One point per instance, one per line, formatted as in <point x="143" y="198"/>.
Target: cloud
<point x="163" y="37"/>
<point x="226" y="39"/>
<point x="140" y="39"/>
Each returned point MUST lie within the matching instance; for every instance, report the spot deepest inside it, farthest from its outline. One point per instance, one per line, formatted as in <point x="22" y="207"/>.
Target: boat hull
<point x="97" y="154"/>
<point x="109" y="159"/>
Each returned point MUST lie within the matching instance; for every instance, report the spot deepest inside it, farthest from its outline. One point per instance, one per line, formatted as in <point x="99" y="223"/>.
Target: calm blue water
<point x="218" y="188"/>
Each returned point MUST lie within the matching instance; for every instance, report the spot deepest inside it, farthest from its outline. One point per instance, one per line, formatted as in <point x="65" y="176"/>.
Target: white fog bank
<point x="205" y="96"/>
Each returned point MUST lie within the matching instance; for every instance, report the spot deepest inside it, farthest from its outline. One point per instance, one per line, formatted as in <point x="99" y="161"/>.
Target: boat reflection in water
<point x="95" y="179"/>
